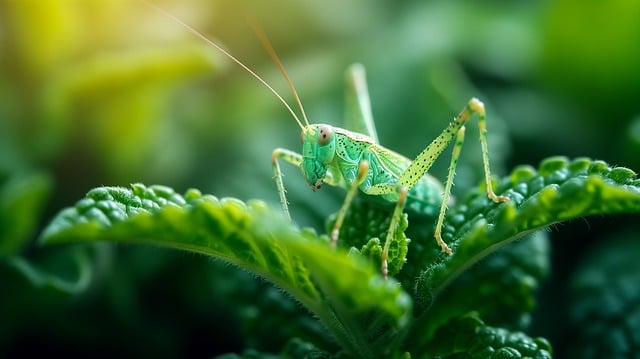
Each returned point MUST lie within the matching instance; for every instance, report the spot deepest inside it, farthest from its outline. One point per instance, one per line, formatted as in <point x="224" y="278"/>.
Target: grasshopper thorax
<point x="318" y="151"/>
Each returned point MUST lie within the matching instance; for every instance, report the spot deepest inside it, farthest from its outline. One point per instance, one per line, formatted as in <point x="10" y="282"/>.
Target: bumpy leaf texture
<point x="605" y="300"/>
<point x="363" y="311"/>
<point x="470" y="337"/>
<point x="559" y="190"/>
<point x="500" y="288"/>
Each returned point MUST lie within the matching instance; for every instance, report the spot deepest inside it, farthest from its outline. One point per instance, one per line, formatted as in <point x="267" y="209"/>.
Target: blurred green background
<point x="111" y="92"/>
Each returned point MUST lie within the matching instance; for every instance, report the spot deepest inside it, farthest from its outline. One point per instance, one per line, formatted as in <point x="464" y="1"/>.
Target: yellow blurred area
<point x="93" y="73"/>
<point x="118" y="85"/>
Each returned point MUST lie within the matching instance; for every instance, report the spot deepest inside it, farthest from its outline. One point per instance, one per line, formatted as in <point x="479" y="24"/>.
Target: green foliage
<point x="468" y="335"/>
<point x="364" y="313"/>
<point x="365" y="230"/>
<point x="106" y="92"/>
<point x="355" y="306"/>
<point x="608" y="275"/>
<point x="22" y="197"/>
<point x="559" y="190"/>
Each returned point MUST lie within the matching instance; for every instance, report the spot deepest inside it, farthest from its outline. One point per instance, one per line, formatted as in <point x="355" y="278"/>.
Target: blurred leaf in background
<point x="111" y="93"/>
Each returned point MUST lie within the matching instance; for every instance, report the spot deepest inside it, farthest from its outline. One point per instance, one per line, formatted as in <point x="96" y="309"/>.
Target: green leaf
<point x="22" y="197"/>
<point x="50" y="273"/>
<point x="364" y="231"/>
<point x="364" y="312"/>
<point x="559" y="190"/>
<point x="501" y="289"/>
<point x="469" y="337"/>
<point x="604" y="296"/>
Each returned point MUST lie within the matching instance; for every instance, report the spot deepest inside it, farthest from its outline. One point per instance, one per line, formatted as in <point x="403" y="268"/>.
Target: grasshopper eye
<point x="325" y="134"/>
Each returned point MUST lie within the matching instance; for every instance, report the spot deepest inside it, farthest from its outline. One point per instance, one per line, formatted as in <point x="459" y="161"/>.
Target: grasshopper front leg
<point x="291" y="157"/>
<point x="295" y="159"/>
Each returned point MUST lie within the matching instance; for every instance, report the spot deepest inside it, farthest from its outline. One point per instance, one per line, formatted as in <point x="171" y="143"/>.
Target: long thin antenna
<point x="205" y="39"/>
<point x="267" y="45"/>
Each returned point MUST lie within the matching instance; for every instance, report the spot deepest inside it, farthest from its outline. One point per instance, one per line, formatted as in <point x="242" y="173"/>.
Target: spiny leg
<point x="457" y="148"/>
<point x="291" y="157"/>
<point x="363" y="169"/>
<point x="475" y="106"/>
<point x="423" y="162"/>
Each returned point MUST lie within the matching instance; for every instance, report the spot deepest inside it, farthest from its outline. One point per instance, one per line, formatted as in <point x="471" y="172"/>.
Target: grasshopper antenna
<point x="267" y="45"/>
<point x="227" y="54"/>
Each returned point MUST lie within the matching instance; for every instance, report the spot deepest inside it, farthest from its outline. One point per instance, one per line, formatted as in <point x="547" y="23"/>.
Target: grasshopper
<point x="357" y="161"/>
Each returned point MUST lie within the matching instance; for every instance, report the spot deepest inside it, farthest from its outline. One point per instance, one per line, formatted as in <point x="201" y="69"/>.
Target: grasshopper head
<point x="318" y="150"/>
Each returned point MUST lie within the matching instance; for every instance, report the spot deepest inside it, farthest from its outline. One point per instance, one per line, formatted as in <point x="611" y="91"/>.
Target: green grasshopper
<point x="356" y="161"/>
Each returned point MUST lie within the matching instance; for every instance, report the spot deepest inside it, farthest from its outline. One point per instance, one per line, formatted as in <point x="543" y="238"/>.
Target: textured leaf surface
<point x="366" y="314"/>
<point x="470" y="337"/>
<point x="559" y="190"/>
<point x="346" y="292"/>
<point x="605" y="315"/>
<point x="365" y="229"/>
<point x="501" y="289"/>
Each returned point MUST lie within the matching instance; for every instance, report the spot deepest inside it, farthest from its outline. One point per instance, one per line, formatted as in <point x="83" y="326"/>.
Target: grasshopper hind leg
<point x="454" y="132"/>
<point x="457" y="148"/>
<point x="474" y="107"/>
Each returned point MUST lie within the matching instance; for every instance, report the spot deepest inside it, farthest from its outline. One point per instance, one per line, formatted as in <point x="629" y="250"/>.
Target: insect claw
<point x="497" y="198"/>
<point x="443" y="245"/>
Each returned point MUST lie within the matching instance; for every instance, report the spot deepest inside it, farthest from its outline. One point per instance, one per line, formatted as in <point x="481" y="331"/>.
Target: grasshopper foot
<point x="445" y="248"/>
<point x="497" y="199"/>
